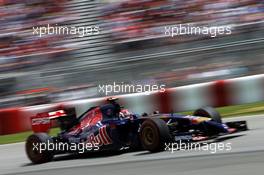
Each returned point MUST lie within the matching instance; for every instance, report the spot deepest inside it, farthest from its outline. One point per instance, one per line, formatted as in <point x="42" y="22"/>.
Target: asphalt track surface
<point x="245" y="157"/>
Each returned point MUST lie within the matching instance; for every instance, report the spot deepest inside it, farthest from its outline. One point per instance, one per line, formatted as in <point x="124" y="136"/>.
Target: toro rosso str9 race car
<point x="109" y="127"/>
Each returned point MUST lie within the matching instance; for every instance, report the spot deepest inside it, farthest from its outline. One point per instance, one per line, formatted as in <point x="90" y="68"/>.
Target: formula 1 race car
<point x="109" y="127"/>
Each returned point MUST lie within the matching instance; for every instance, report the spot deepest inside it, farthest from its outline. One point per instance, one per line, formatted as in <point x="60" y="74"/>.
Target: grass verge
<point x="238" y="110"/>
<point x="20" y="137"/>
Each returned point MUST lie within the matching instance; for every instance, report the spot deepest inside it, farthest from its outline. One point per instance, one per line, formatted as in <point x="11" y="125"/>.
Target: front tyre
<point x="208" y="112"/>
<point x="154" y="133"/>
<point x="34" y="145"/>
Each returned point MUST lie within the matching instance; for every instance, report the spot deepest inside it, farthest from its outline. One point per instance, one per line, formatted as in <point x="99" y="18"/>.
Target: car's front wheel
<point x="154" y="133"/>
<point x="208" y="112"/>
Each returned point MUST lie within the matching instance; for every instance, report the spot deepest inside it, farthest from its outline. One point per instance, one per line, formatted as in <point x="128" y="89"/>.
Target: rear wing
<point x="42" y="122"/>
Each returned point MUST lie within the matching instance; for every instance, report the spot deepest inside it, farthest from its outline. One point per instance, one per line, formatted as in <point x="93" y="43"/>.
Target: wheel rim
<point x="148" y="135"/>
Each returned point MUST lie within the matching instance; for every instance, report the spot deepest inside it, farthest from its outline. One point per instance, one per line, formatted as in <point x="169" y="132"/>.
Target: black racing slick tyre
<point x="208" y="112"/>
<point x="34" y="145"/>
<point x="154" y="133"/>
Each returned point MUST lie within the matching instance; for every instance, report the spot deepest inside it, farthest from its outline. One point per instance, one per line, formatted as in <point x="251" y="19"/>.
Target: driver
<point x="117" y="107"/>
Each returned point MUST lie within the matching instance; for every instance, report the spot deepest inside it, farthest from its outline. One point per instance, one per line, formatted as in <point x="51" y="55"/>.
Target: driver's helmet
<point x="124" y="113"/>
<point x="117" y="107"/>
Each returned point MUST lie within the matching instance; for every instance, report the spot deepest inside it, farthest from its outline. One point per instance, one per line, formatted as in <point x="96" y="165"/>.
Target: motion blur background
<point x="130" y="48"/>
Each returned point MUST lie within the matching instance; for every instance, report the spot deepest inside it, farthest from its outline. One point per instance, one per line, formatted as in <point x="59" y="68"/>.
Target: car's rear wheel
<point x="208" y="112"/>
<point x="154" y="133"/>
<point x="34" y="145"/>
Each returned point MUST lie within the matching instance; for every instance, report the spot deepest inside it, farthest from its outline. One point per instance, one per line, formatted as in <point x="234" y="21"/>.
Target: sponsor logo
<point x="183" y="138"/>
<point x="102" y="138"/>
<point x="39" y="121"/>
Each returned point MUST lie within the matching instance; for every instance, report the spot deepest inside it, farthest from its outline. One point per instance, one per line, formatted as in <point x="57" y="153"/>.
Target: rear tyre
<point x="33" y="148"/>
<point x="154" y="133"/>
<point x="208" y="112"/>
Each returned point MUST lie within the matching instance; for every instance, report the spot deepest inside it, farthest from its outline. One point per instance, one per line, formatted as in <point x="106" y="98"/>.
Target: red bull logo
<point x="102" y="138"/>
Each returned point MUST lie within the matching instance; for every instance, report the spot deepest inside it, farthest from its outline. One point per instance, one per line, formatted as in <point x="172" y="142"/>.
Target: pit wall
<point x="218" y="93"/>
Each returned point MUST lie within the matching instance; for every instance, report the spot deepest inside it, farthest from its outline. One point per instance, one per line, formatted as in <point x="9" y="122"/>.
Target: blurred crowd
<point x="136" y="20"/>
<point x="128" y="21"/>
<point x="18" y="46"/>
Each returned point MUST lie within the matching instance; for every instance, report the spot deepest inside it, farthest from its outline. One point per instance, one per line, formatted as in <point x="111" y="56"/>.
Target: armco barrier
<point x="219" y="93"/>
